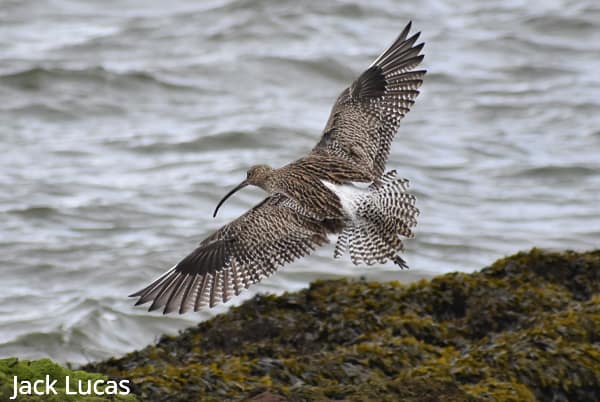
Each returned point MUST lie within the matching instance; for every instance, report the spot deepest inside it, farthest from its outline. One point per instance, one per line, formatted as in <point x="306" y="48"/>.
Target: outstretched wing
<point x="366" y="116"/>
<point x="239" y="254"/>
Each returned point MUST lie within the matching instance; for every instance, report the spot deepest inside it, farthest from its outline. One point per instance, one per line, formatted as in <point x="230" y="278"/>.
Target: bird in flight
<point x="340" y="187"/>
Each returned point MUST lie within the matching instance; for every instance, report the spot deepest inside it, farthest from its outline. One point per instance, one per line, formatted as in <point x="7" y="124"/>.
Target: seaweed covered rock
<point x="36" y="370"/>
<point x="526" y="328"/>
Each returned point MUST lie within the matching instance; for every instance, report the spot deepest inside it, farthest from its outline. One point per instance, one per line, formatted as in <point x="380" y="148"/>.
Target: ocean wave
<point x="322" y="66"/>
<point x="554" y="24"/>
<point x="40" y="110"/>
<point x="34" y="211"/>
<point x="554" y="172"/>
<point x="35" y="77"/>
<point x="263" y="136"/>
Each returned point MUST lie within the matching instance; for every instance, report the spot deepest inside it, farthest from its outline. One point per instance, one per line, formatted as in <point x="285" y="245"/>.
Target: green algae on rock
<point x="33" y="370"/>
<point x="526" y="328"/>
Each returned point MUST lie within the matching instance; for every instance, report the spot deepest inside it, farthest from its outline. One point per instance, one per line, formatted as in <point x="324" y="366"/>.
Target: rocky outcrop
<point x="523" y="329"/>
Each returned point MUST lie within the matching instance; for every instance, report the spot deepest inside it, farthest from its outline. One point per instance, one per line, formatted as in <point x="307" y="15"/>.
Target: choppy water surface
<point x="124" y="122"/>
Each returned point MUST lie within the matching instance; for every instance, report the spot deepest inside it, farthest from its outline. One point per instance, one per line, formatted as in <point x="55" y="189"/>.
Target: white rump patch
<point x="350" y="196"/>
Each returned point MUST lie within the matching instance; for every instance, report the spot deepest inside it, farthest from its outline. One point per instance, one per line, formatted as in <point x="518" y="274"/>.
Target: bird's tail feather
<point x="383" y="215"/>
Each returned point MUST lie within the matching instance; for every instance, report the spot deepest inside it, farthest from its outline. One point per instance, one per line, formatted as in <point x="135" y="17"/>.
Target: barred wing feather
<point x="366" y="116"/>
<point x="237" y="255"/>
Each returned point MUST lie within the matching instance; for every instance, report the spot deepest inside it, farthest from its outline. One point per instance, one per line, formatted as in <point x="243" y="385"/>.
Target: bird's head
<point x="256" y="176"/>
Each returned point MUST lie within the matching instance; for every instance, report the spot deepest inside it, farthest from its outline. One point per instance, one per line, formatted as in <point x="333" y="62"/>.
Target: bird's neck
<point x="268" y="184"/>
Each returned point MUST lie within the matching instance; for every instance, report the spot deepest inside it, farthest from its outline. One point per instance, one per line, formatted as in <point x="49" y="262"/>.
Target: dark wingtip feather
<point x="145" y="290"/>
<point x="225" y="261"/>
<point x="419" y="47"/>
<point x="184" y="306"/>
<point x="400" y="44"/>
<point x="406" y="29"/>
<point x="174" y="300"/>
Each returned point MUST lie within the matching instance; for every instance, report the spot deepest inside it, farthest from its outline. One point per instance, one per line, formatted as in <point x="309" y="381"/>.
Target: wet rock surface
<point x="523" y="329"/>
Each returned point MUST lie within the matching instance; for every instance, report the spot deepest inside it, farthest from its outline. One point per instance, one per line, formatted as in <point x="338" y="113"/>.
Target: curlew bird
<point x="338" y="188"/>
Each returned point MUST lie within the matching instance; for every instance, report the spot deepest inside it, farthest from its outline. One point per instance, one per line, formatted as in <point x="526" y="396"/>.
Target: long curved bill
<point x="229" y="194"/>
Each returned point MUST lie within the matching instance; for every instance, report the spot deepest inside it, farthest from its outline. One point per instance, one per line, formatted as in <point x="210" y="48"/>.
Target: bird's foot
<point x="399" y="261"/>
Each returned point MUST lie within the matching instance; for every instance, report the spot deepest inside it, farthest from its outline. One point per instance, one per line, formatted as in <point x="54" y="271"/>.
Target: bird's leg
<point x="399" y="261"/>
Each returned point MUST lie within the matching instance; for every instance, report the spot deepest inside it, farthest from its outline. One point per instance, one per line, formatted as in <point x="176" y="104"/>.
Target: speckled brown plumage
<point x="236" y="256"/>
<point x="314" y="196"/>
<point x="366" y="115"/>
